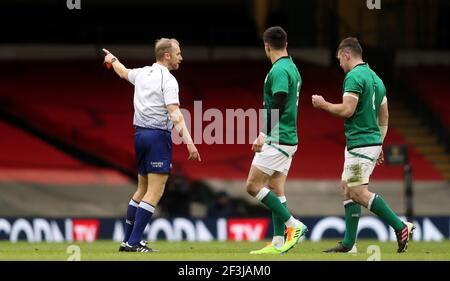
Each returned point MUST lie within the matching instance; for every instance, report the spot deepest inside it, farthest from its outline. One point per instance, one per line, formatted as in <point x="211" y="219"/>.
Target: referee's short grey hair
<point x="164" y="45"/>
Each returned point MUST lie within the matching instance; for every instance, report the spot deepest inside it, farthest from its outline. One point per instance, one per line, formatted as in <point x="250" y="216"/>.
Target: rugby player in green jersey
<point x="365" y="109"/>
<point x="277" y="142"/>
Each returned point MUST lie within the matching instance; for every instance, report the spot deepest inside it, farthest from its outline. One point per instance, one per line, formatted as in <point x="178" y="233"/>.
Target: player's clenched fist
<point x="317" y="101"/>
<point x="259" y="142"/>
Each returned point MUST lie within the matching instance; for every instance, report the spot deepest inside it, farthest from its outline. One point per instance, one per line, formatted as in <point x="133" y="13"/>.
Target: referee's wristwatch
<point x="113" y="59"/>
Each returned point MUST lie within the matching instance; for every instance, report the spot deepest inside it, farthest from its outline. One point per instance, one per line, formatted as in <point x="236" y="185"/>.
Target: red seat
<point x="93" y="110"/>
<point x="433" y="87"/>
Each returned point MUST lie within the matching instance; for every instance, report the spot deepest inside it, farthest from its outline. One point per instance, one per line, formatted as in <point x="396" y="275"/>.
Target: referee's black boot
<point x="140" y="248"/>
<point x="122" y="246"/>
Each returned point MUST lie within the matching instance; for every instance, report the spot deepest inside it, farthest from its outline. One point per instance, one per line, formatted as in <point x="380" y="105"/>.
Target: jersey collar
<point x="284" y="57"/>
<point x="155" y="64"/>
<point x="363" y="63"/>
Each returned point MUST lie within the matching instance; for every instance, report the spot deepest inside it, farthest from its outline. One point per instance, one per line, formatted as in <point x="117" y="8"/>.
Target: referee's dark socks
<point x="129" y="222"/>
<point x="143" y="215"/>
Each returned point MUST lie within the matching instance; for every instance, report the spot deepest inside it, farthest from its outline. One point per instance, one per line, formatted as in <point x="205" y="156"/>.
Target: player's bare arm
<point x="383" y="122"/>
<point x="118" y="67"/>
<point x="180" y="125"/>
<point x="345" y="109"/>
<point x="259" y="142"/>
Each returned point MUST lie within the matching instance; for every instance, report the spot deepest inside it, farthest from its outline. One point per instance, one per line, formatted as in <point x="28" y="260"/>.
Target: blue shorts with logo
<point x="153" y="149"/>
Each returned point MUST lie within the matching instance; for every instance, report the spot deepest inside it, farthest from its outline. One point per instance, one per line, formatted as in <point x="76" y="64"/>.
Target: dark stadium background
<point x="66" y="135"/>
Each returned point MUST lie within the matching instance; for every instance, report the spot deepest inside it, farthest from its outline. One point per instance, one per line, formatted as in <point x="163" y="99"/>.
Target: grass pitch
<point x="220" y="251"/>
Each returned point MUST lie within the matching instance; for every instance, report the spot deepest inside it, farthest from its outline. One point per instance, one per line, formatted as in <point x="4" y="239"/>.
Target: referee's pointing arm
<point x="173" y="109"/>
<point x="118" y="67"/>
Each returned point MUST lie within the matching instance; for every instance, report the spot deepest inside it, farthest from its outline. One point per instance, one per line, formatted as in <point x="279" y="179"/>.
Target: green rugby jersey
<point x="362" y="128"/>
<point x="283" y="77"/>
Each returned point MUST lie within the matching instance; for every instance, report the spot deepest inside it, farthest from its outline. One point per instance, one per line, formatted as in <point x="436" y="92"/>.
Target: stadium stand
<point x="432" y="85"/>
<point x="20" y="150"/>
<point x="26" y="158"/>
<point x="198" y="24"/>
<point x="87" y="107"/>
<point x="425" y="120"/>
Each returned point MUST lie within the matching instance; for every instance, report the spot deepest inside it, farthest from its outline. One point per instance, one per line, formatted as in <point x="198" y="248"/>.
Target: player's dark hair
<point x="351" y="44"/>
<point x="276" y="37"/>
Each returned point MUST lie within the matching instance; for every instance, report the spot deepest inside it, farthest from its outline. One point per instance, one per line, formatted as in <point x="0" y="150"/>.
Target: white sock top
<point x="262" y="193"/>
<point x="292" y="222"/>
<point x="147" y="206"/>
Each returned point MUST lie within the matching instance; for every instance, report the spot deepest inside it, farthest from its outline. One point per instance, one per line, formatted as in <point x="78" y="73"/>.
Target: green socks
<point x="278" y="224"/>
<point x="353" y="212"/>
<point x="382" y="209"/>
<point x="272" y="202"/>
<point x="352" y="215"/>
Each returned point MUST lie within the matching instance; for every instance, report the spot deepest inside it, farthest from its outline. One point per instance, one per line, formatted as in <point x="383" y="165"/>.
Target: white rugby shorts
<point x="274" y="158"/>
<point x="359" y="164"/>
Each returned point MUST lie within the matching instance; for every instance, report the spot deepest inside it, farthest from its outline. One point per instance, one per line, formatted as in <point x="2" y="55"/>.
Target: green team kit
<point x="364" y="139"/>
<point x="283" y="77"/>
<point x="362" y="128"/>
